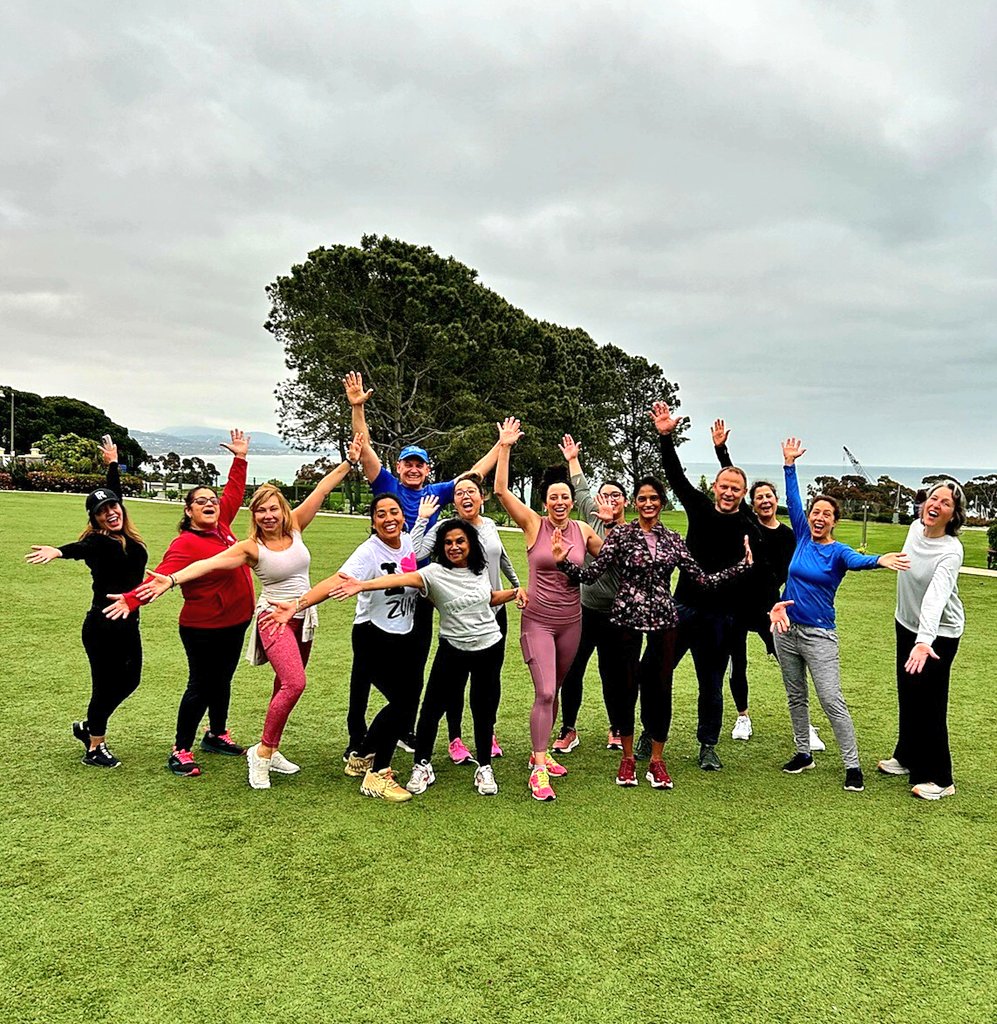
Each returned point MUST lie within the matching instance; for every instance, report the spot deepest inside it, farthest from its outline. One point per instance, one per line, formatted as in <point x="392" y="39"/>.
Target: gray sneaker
<point x="484" y="781"/>
<point x="423" y="777"/>
<point x="708" y="759"/>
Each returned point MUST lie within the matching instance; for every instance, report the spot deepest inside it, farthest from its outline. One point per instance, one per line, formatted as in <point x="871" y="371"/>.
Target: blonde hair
<point x="262" y="495"/>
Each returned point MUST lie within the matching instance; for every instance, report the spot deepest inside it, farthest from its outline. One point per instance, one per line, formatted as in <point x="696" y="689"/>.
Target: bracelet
<point x="173" y="581"/>
<point x="353" y="465"/>
<point x="297" y="605"/>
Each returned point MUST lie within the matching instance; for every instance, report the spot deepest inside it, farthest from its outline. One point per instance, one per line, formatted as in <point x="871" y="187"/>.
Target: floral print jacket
<point x="644" y="599"/>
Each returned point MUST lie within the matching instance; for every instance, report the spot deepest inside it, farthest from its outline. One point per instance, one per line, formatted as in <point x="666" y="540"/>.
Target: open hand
<point x="119" y="609"/>
<point x="919" y="655"/>
<point x="428" y="505"/>
<point x="153" y="587"/>
<point x="239" y="444"/>
<point x="569" y="448"/>
<point x="664" y="421"/>
<point x="558" y="549"/>
<point x="604" y="508"/>
<point x="42" y="553"/>
<point x="720" y="433"/>
<point x="895" y="560"/>
<point x="355" y="448"/>
<point x="353" y="385"/>
<point x="778" y="618"/>
<point x="109" y="450"/>
<point x="509" y="431"/>
<point x="792" y="449"/>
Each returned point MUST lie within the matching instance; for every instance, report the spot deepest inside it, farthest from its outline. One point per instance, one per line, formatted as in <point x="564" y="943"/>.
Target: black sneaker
<point x="798" y="763"/>
<point x="100" y="757"/>
<point x="854" y="782"/>
<point x="406" y="742"/>
<point x="82" y="733"/>
<point x="181" y="762"/>
<point x="642" y="748"/>
<point x="708" y="759"/>
<point x="221" y="744"/>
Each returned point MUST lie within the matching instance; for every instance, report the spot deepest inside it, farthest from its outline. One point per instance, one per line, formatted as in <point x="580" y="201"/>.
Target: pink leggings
<point x="288" y="654"/>
<point x="548" y="651"/>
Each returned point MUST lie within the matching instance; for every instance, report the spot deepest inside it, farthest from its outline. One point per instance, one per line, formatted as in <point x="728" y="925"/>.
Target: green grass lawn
<point x="745" y="895"/>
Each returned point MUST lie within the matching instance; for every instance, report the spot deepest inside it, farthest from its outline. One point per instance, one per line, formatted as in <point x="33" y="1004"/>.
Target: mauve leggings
<point x="548" y="651"/>
<point x="288" y="654"/>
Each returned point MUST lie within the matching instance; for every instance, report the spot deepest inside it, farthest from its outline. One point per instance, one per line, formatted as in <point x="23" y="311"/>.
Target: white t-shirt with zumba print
<point x="391" y="610"/>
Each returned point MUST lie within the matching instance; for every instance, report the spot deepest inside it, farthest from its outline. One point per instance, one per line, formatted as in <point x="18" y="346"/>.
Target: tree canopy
<point x="447" y="358"/>
<point x="35" y="416"/>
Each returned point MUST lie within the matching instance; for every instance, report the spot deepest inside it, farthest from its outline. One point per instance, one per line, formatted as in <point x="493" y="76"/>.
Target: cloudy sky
<point x="789" y="205"/>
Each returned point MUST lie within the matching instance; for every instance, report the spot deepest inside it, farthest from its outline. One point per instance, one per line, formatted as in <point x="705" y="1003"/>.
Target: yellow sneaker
<point x="382" y="786"/>
<point x="356" y="766"/>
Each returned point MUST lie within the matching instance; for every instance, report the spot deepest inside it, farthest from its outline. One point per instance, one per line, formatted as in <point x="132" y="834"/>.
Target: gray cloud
<point x="788" y="205"/>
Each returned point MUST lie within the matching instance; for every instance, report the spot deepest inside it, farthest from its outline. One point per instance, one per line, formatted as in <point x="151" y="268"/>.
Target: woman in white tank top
<point x="278" y="556"/>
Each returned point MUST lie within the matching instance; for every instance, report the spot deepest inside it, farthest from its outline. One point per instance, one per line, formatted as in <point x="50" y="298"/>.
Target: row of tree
<point x="886" y="495"/>
<point x="176" y="469"/>
<point x="447" y="358"/>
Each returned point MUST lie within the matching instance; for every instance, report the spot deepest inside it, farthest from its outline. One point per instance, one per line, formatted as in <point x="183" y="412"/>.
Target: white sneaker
<point x="423" y="777"/>
<point x="929" y="791"/>
<point x="891" y="766"/>
<point x="281" y="765"/>
<point x="484" y="781"/>
<point x="742" y="728"/>
<point x="259" y="768"/>
<point x="816" y="743"/>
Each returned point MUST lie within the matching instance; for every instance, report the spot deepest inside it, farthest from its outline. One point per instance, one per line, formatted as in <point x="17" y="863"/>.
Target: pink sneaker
<point x="496" y="749"/>
<point x="627" y="775"/>
<point x="657" y="775"/>
<point x="540" y="786"/>
<point x="566" y="742"/>
<point x="459" y="754"/>
<point x="613" y="741"/>
<point x="553" y="768"/>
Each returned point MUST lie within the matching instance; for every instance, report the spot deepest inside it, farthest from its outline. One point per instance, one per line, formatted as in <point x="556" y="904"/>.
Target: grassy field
<point x="746" y="895"/>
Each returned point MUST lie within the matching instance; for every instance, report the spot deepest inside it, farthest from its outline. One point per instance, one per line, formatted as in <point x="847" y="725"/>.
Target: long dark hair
<point x="476" y="561"/>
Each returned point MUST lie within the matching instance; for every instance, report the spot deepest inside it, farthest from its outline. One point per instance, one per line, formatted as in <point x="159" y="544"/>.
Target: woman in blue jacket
<point x="803" y="621"/>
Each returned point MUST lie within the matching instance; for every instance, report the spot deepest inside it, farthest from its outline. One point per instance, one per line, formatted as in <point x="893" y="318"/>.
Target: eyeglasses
<point x="214" y="500"/>
<point x="612" y="494"/>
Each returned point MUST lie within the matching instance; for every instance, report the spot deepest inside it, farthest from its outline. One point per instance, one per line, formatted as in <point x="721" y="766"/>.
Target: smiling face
<point x="648" y="503"/>
<point x="822" y="517"/>
<point x="937" y="511"/>
<point x="456" y="547"/>
<point x="109" y="517"/>
<point x="202" y="509"/>
<point x="387" y="519"/>
<point x="412" y="472"/>
<point x="269" y="516"/>
<point x="765" y="503"/>
<point x="728" y="490"/>
<point x="467" y="499"/>
<point x="559" y="503"/>
<point x="617" y="498"/>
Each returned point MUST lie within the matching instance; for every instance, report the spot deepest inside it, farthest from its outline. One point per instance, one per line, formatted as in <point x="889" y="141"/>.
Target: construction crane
<point x="859" y="468"/>
<point x="858" y="465"/>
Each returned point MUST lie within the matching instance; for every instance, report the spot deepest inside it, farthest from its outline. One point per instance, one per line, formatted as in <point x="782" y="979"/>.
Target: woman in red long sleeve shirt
<point x="216" y="611"/>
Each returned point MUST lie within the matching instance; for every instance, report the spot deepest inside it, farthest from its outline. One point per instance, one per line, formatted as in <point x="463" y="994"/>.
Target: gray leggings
<point x="809" y="647"/>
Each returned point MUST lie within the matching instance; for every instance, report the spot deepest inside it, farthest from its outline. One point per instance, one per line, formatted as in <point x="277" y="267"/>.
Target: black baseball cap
<point x="97" y="499"/>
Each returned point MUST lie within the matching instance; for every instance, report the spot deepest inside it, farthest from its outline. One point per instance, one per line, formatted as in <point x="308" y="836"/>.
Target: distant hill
<point x="185" y="440"/>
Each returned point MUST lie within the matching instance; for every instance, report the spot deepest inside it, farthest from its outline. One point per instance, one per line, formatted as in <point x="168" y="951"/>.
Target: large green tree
<point x="446" y="357"/>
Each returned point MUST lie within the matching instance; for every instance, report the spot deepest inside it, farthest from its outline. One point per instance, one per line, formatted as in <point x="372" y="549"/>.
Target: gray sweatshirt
<point x="596" y="596"/>
<point x="927" y="593"/>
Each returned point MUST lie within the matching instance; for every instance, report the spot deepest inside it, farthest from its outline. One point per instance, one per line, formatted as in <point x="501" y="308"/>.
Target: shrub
<point x="6" y="482"/>
<point x="76" y="483"/>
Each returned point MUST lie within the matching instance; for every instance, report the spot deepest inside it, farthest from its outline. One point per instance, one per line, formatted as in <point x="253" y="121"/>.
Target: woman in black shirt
<point x="116" y="557"/>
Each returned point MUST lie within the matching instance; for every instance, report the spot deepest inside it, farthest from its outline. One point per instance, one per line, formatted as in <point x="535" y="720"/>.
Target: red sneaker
<point x="627" y="775"/>
<point x="657" y="775"/>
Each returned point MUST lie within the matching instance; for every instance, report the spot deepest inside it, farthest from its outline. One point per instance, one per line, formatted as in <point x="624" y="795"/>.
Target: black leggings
<point x="421" y="641"/>
<point x="114" y="649"/>
<point x="212" y="658"/>
<point x="923" y="699"/>
<point x="451" y="667"/>
<point x="598" y="634"/>
<point x="739" y="655"/>
<point x="455" y="705"/>
<point x="386" y="661"/>
<point x="651" y="677"/>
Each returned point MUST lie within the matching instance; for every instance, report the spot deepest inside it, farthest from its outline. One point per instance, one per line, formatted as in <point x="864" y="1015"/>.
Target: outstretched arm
<point x="522" y="515"/>
<point x="307" y="510"/>
<point x="246" y="552"/>
<point x="792" y="449"/>
<point x="721" y="432"/>
<point x="357" y="397"/>
<point x="109" y="452"/>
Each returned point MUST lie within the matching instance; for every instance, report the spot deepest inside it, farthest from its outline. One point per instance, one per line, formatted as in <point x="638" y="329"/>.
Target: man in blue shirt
<point x="410" y="485"/>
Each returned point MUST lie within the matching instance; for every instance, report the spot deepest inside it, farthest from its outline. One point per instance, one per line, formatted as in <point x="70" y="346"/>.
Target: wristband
<point x="173" y="581"/>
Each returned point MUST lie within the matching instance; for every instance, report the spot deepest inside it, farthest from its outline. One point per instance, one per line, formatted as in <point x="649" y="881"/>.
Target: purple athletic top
<point x="554" y="601"/>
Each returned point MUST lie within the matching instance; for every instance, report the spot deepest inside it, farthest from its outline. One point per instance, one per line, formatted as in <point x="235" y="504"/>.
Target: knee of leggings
<point x="544" y="698"/>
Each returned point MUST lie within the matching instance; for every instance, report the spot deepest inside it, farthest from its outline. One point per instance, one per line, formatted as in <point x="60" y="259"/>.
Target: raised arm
<point x="306" y="511"/>
<point x="235" y="486"/>
<point x="791" y="451"/>
<point x="665" y="424"/>
<point x="721" y="432"/>
<point x="109" y="452"/>
<point x="522" y="515"/>
<point x="357" y="397"/>
<point x="423" y="539"/>
<point x="487" y="462"/>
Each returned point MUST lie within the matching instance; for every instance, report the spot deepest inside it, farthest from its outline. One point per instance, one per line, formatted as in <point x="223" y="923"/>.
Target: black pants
<point x="422" y="640"/>
<point x="707" y="634"/>
<point x="600" y="635"/>
<point x="650" y="676"/>
<point x="455" y="706"/>
<point x="451" y="668"/>
<point x="114" y="649"/>
<point x="739" y="654"/>
<point x="386" y="661"/>
<point x="923" y="700"/>
<point x="212" y="658"/>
